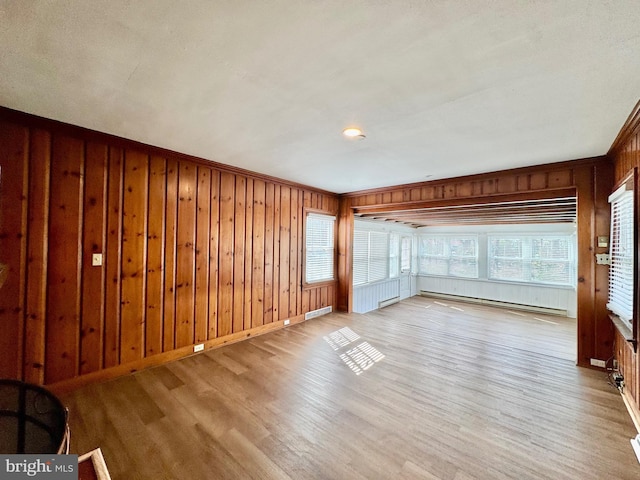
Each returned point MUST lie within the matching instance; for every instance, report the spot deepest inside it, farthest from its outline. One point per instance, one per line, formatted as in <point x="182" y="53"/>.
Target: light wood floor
<point x="463" y="392"/>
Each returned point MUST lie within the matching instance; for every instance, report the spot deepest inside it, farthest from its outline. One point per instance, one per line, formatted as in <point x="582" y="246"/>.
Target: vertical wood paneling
<point x="300" y="253"/>
<point x="185" y="254"/>
<point x="248" y="256"/>
<point x="14" y="141"/>
<point x="93" y="223"/>
<point x="276" y="255"/>
<point x="63" y="276"/>
<point x="113" y="258"/>
<point x="36" y="309"/>
<point x="603" y="333"/>
<point x="190" y="253"/>
<point x="269" y="206"/>
<point x="214" y="236"/>
<point x="294" y="282"/>
<point x="586" y="268"/>
<point x="238" y="254"/>
<point x="170" y="255"/>
<point x="258" y="260"/>
<point x="285" y="232"/>
<point x="134" y="255"/>
<point x="203" y="233"/>
<point x="155" y="255"/>
<point x="225" y="289"/>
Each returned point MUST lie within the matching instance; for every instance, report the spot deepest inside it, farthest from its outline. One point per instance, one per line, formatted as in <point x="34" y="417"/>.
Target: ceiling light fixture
<point x="353" y="132"/>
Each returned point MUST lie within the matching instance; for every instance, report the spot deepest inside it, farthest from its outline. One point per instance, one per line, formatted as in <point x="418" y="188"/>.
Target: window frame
<point x="448" y="255"/>
<point x="527" y="258"/>
<point x="628" y="329"/>
<point x="323" y="282"/>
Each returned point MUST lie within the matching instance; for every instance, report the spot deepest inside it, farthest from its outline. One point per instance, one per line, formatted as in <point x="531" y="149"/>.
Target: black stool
<point x="32" y="420"/>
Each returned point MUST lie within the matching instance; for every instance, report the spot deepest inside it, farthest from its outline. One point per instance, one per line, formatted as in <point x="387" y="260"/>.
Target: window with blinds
<point x="455" y="256"/>
<point x="622" y="245"/>
<point x="394" y="255"/>
<point x="532" y="259"/>
<point x="371" y="257"/>
<point x="319" y="246"/>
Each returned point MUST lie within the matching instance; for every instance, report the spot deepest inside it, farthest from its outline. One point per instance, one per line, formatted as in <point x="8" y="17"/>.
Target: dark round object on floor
<point x="32" y="420"/>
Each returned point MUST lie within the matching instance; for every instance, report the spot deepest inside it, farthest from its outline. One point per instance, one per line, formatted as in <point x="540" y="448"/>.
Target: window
<point x="394" y="250"/>
<point x="370" y="256"/>
<point x="405" y="255"/>
<point x="532" y="259"/>
<point x="451" y="256"/>
<point x="622" y="254"/>
<point x="319" y="243"/>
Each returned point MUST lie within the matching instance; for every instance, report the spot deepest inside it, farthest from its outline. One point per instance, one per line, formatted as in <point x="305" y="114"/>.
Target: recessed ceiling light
<point x="353" y="132"/>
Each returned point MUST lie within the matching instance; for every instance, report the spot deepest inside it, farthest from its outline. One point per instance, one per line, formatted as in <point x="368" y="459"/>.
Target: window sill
<point x="318" y="284"/>
<point x="503" y="282"/>
<point x="624" y="330"/>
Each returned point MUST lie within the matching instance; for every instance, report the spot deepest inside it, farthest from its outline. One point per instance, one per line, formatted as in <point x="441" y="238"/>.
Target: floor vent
<point x="388" y="301"/>
<point x="496" y="303"/>
<point x="318" y="313"/>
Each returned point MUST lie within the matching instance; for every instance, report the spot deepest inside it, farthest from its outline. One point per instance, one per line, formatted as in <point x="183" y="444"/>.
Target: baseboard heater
<point x="388" y="301"/>
<point x="318" y="313"/>
<point x="496" y="303"/>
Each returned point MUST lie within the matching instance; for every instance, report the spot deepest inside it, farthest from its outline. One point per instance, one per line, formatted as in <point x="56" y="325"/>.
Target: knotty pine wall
<point x="193" y="252"/>
<point x="625" y="153"/>
<point x="590" y="180"/>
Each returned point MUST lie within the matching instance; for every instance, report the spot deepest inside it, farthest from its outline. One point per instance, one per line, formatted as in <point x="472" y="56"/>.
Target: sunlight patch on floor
<point x="341" y="338"/>
<point x="358" y="358"/>
<point x="361" y="357"/>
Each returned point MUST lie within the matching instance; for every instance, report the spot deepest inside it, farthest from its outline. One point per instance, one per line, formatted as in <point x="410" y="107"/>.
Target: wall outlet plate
<point x="96" y="260"/>
<point x="598" y="363"/>
<point x="199" y="347"/>
<point x="287" y="322"/>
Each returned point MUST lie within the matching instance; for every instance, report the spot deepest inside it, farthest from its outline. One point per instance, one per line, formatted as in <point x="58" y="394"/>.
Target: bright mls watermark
<point x="51" y="467"/>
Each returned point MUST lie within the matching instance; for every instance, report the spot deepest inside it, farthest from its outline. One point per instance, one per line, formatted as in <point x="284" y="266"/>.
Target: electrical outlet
<point x="598" y="363"/>
<point x="96" y="260"/>
<point x="615" y="364"/>
<point x="199" y="347"/>
<point x="287" y="322"/>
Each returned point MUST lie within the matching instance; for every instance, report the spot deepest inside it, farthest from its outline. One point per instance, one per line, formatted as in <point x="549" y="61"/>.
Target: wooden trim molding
<point x="548" y="167"/>
<point x="629" y="128"/>
<point x="532" y="195"/>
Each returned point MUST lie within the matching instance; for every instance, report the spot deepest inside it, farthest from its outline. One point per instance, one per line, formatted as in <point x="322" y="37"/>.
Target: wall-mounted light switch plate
<point x="96" y="260"/>
<point x="603" y="242"/>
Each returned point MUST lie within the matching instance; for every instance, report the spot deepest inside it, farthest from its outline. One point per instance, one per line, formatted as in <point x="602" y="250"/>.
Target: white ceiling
<point x="441" y="88"/>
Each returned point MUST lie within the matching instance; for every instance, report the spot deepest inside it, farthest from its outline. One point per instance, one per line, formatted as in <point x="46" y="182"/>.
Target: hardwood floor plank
<point x="470" y="393"/>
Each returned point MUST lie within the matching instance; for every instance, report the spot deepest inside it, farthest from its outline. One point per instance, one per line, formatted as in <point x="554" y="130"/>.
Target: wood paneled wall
<point x="589" y="179"/>
<point x="193" y="252"/>
<point x="625" y="153"/>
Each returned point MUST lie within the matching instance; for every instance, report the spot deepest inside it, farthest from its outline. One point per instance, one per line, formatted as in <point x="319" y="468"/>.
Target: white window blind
<point x="532" y="259"/>
<point x="394" y="252"/>
<point x="378" y="256"/>
<point x="319" y="247"/>
<point x="371" y="257"/>
<point x="455" y="256"/>
<point x="621" y="278"/>
<point x="405" y="255"/>
<point x="360" y="257"/>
